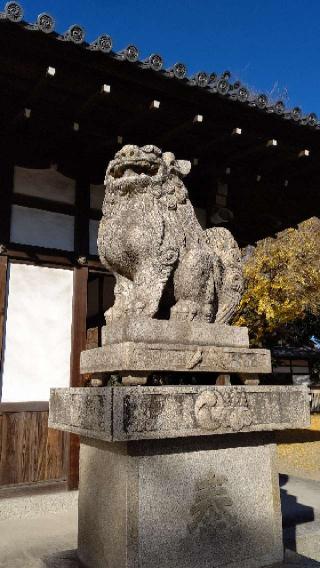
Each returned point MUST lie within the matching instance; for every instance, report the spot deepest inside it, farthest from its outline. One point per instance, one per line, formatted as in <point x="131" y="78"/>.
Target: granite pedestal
<point x="179" y="477"/>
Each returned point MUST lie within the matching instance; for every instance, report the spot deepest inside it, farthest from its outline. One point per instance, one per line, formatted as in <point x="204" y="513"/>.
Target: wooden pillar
<point x="82" y="215"/>
<point x="3" y="288"/>
<point x="6" y="191"/>
<point x="78" y="342"/>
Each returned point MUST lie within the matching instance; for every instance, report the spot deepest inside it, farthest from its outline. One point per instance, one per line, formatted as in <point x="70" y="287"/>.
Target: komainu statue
<point x="166" y="266"/>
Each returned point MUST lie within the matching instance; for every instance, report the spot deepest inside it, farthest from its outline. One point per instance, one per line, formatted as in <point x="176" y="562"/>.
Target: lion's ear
<point x="182" y="167"/>
<point x="168" y="158"/>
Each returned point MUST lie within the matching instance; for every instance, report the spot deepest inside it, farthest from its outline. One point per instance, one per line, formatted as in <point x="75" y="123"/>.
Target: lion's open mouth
<point x="134" y="168"/>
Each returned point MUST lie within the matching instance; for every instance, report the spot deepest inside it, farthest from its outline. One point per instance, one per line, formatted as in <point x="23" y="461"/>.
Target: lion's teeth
<point x="128" y="172"/>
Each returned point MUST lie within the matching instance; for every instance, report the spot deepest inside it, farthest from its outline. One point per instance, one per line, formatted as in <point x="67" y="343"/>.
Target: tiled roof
<point x="219" y="85"/>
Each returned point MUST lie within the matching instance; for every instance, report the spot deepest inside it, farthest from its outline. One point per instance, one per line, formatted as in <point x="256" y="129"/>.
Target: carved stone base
<point x="179" y="477"/>
<point x="137" y="413"/>
<point x="146" y="357"/>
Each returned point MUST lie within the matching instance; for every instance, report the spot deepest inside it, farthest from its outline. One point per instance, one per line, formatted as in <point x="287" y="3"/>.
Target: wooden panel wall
<point x="29" y="451"/>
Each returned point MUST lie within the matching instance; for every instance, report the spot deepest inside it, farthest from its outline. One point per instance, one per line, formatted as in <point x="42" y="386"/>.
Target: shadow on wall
<point x="293" y="513"/>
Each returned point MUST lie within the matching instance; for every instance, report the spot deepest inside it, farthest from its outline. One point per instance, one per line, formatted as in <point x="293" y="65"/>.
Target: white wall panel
<point x="42" y="228"/>
<point x="47" y="183"/>
<point x="38" y="332"/>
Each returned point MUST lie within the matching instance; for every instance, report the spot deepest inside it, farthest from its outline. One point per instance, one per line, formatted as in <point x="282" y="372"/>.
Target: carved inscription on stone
<point x="210" y="510"/>
<point x="213" y="409"/>
<point x="126" y="413"/>
<point x="132" y="357"/>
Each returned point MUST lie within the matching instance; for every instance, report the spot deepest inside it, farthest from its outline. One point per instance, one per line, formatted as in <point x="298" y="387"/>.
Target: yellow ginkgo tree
<point x="282" y="286"/>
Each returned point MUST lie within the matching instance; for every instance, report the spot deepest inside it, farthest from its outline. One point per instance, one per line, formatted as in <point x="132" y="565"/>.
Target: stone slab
<point x="304" y="538"/>
<point x="63" y="559"/>
<point x="146" y="357"/>
<point x="143" y="330"/>
<point x="136" y="413"/>
<point x="183" y="503"/>
<point x="70" y="560"/>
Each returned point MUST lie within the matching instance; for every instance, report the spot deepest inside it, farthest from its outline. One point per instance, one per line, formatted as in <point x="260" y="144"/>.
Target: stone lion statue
<point x="166" y="266"/>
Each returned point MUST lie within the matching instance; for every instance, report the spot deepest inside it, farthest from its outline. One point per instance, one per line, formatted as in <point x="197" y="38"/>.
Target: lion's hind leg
<point x="149" y="285"/>
<point x="194" y="286"/>
<point x="122" y="298"/>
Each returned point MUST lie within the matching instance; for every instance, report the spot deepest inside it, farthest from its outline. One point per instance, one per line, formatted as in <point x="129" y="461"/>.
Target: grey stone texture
<point x="159" y="488"/>
<point x="304" y="538"/>
<point x="136" y="413"/>
<point x="66" y="559"/>
<point x="150" y="238"/>
<point x="174" y="477"/>
<point x="149" y="357"/>
<point x="182" y="503"/>
<point x="146" y="330"/>
<point x="173" y="279"/>
<point x="69" y="559"/>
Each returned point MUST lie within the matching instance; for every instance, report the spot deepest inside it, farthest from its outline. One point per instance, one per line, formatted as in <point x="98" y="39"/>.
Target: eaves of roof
<point x="304" y="352"/>
<point x="219" y="85"/>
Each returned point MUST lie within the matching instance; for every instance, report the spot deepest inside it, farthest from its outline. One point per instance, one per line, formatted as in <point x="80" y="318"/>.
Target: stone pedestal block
<point x="179" y="477"/>
<point x="180" y="503"/>
<point x="191" y="358"/>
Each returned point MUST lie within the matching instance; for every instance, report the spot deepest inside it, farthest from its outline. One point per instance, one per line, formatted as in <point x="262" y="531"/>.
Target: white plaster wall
<point x="46" y="183"/>
<point x="42" y="228"/>
<point x="37" y="333"/>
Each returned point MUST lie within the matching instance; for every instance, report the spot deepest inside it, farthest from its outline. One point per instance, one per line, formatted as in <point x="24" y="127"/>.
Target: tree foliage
<point x="282" y="286"/>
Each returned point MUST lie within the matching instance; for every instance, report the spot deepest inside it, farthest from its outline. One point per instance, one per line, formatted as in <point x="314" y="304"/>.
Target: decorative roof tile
<point x="219" y="85"/>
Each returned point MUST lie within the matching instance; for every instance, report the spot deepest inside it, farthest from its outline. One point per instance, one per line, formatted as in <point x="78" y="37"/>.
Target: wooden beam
<point x="48" y="257"/>
<point x="3" y="300"/>
<point x="191" y="125"/>
<point x="32" y="406"/>
<point x="43" y="204"/>
<point x="78" y="344"/>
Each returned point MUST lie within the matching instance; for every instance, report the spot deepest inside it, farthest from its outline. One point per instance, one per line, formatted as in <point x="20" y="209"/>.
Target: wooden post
<point x="82" y="214"/>
<point x="3" y="288"/>
<point x="6" y="188"/>
<point x="78" y="344"/>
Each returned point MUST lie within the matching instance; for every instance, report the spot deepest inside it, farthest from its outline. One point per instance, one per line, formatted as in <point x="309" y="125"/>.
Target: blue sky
<point x="273" y="46"/>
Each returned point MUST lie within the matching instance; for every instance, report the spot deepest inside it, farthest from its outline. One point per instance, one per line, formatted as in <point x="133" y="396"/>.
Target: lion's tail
<point x="231" y="278"/>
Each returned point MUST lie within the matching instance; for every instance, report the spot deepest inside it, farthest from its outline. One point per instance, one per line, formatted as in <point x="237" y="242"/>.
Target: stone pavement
<point x="301" y="515"/>
<point x="292" y="560"/>
<point x="25" y="540"/>
<point x="35" y="521"/>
